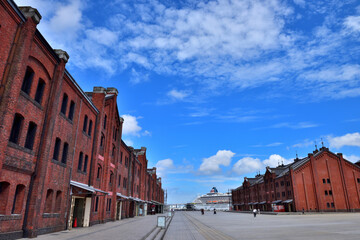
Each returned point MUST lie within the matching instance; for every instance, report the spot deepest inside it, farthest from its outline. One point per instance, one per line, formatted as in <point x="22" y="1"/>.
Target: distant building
<point x="321" y="182"/>
<point x="213" y="199"/>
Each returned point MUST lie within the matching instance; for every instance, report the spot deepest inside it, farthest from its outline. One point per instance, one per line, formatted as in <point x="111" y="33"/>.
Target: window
<point x="324" y="181"/>
<point x="65" y="152"/>
<point x="332" y="205"/>
<point x="105" y="119"/>
<point x="358" y="180"/>
<point x="96" y="204"/>
<point x="30" y="136"/>
<point x="288" y="184"/>
<point x="64" y="103"/>
<point x="282" y="183"/>
<point x="86" y="162"/>
<point x="48" y="201"/>
<point x="98" y="172"/>
<point x="108" y="207"/>
<point x="330" y="192"/>
<point x="283" y="194"/>
<point x="90" y="128"/>
<point x="26" y="85"/>
<point x="4" y="194"/>
<point x="16" y="128"/>
<point x="102" y="140"/>
<point x="124" y="183"/>
<point x="57" y="149"/>
<point x="71" y="110"/>
<point x="80" y="161"/>
<point x="85" y="123"/>
<point x="119" y="181"/>
<point x="18" y="199"/>
<point x="58" y="201"/>
<point x="328" y="205"/>
<point x="289" y="193"/>
<point x="326" y="192"/>
<point x="40" y="90"/>
<point x="328" y="180"/>
<point x="278" y="194"/>
<point x="113" y="151"/>
<point x="276" y="184"/>
<point x="121" y="157"/>
<point x="111" y="177"/>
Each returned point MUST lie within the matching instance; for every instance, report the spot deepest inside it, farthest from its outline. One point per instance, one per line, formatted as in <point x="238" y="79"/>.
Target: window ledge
<point x="25" y="95"/>
<point x="82" y="172"/>
<point x="51" y="215"/>
<point x="10" y="217"/>
<point x="18" y="147"/>
<point x="66" y="118"/>
<point x="58" y="163"/>
<point x="87" y="135"/>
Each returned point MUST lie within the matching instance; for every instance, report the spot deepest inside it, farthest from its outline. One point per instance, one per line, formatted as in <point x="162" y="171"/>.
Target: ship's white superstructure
<point x="213" y="199"/>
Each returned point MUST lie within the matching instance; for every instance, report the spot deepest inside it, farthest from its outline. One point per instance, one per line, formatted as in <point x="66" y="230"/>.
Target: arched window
<point x="58" y="201"/>
<point x="86" y="163"/>
<point x="81" y="156"/>
<point x="57" y="149"/>
<point x="26" y="85"/>
<point x="48" y="201"/>
<point x="98" y="175"/>
<point x="40" y="90"/>
<point x="71" y="110"/>
<point x="102" y="142"/>
<point x="90" y="128"/>
<point x="18" y="199"/>
<point x="4" y="195"/>
<point x="64" y="103"/>
<point x="30" y="137"/>
<point x="105" y="119"/>
<point x="85" y="123"/>
<point x="111" y="177"/>
<point x="16" y="128"/>
<point x="65" y="152"/>
<point x="113" y="151"/>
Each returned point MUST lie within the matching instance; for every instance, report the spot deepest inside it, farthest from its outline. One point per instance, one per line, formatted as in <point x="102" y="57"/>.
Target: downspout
<point x="93" y="148"/>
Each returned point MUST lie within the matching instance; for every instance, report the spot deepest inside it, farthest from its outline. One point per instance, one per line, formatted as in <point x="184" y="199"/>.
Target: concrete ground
<point x="225" y="225"/>
<point x="127" y="229"/>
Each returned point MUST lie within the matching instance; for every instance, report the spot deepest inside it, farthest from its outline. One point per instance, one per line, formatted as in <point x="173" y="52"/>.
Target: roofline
<point x="81" y="91"/>
<point x="17" y="10"/>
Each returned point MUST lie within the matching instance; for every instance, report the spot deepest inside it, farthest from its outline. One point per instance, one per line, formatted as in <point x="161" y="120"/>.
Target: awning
<point x="120" y="195"/>
<point x="98" y="190"/>
<point x="288" y="201"/>
<point x="263" y="202"/>
<point x="82" y="186"/>
<point x="277" y="201"/>
<point x="241" y="204"/>
<point x="250" y="203"/>
<point x="155" y="202"/>
<point x="255" y="203"/>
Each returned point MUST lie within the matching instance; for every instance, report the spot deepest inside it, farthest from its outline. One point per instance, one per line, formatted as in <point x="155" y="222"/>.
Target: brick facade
<point x="62" y="160"/>
<point x="321" y="182"/>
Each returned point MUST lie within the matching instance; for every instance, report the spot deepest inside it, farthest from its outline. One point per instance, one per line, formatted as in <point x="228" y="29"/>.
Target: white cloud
<point x="212" y="164"/>
<point x="102" y="35"/>
<point x="131" y="125"/>
<point x="274" y="160"/>
<point x="128" y="142"/>
<point x="304" y="143"/>
<point x="350" y="139"/>
<point x="352" y="158"/>
<point x="138" y="76"/>
<point x="177" y="95"/>
<point x="299" y="125"/>
<point x="167" y="166"/>
<point x="247" y="165"/>
<point x="353" y="23"/>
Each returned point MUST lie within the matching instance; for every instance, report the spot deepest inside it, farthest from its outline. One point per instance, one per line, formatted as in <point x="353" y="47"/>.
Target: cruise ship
<point x="213" y="199"/>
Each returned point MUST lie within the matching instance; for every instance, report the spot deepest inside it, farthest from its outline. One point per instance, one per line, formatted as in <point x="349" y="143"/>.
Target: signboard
<point x="161" y="221"/>
<point x="278" y="208"/>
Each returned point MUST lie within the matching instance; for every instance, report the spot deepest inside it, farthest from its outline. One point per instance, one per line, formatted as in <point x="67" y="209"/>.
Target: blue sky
<point x="218" y="89"/>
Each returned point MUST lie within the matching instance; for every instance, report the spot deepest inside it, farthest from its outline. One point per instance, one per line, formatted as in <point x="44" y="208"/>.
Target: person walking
<point x="255" y="212"/>
<point x="202" y="211"/>
<point x="214" y="211"/>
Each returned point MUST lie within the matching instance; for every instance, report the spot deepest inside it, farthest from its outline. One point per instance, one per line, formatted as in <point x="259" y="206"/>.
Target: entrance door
<point x="78" y="215"/>
<point x="118" y="210"/>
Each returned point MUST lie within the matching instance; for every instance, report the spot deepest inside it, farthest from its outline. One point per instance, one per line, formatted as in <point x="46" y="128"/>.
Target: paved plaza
<point x="223" y="226"/>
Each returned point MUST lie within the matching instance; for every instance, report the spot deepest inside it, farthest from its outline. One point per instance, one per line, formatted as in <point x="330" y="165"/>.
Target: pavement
<point x="136" y="228"/>
<point x="223" y="226"/>
<point x="227" y="226"/>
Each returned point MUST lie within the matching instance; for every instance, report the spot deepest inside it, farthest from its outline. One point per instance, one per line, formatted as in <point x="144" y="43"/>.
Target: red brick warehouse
<point x="62" y="161"/>
<point x="321" y="182"/>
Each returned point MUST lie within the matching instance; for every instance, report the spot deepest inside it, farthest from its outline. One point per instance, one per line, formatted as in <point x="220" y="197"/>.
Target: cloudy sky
<point x="218" y="89"/>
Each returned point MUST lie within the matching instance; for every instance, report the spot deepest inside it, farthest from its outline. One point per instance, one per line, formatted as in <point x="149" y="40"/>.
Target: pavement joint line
<point x="207" y="230"/>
